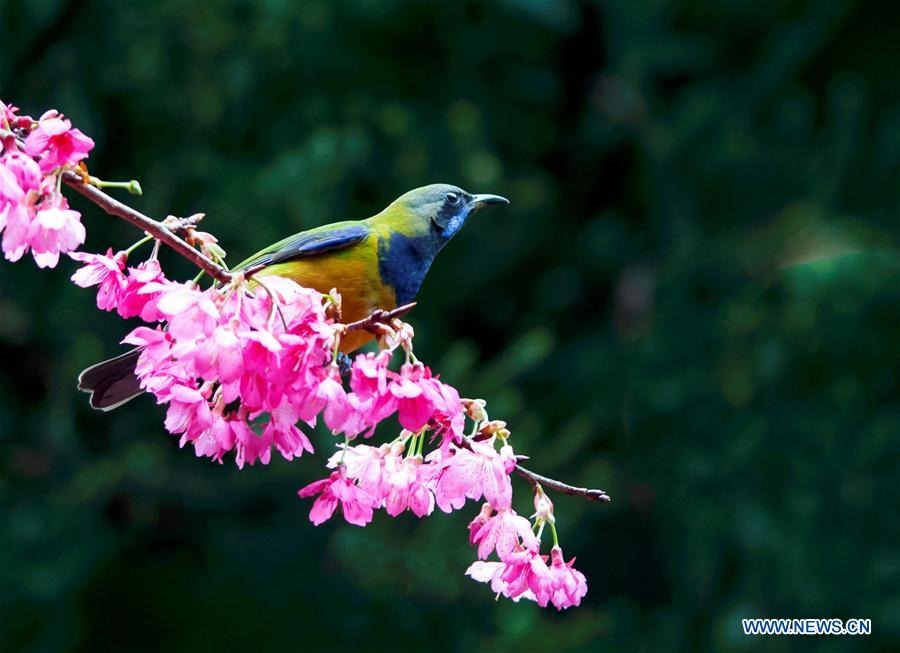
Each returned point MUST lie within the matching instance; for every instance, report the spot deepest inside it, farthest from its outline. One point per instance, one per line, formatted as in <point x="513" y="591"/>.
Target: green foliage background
<point x="692" y="302"/>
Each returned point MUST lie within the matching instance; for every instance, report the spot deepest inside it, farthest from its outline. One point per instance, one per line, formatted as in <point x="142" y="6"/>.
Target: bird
<point x="378" y="263"/>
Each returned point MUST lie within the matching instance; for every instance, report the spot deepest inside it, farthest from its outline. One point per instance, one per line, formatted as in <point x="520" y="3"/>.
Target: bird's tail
<point x="113" y="382"/>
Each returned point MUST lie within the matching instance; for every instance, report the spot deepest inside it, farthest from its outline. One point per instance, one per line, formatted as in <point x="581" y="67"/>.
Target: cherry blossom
<point x="492" y="572"/>
<point x="569" y="585"/>
<point x="356" y="503"/>
<point x="474" y="472"/>
<point x="55" y="143"/>
<point x="105" y="271"/>
<point x="504" y="532"/>
<point x="526" y="570"/>
<point x="405" y="488"/>
<point x="55" y="230"/>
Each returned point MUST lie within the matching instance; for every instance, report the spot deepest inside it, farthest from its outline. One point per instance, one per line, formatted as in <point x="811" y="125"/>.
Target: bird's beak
<point x="482" y="200"/>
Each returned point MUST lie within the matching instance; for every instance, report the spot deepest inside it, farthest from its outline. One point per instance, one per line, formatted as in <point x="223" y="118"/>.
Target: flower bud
<point x="399" y="334"/>
<point x="475" y="409"/>
<point x="543" y="507"/>
<point x="494" y="427"/>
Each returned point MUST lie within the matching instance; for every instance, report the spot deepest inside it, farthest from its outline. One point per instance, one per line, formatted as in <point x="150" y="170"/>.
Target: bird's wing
<point x="328" y="238"/>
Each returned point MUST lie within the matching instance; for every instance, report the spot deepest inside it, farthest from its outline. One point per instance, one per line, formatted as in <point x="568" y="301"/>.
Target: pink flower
<point x="369" y="465"/>
<point x="155" y="368"/>
<point x="412" y="395"/>
<point x="219" y="356"/>
<point x="480" y="520"/>
<point x="11" y="191"/>
<point x="188" y="411"/>
<point x="144" y="287"/>
<point x="282" y="431"/>
<point x="355" y="502"/>
<point x="405" y="489"/>
<point x="248" y="446"/>
<point x="504" y="532"/>
<point x="414" y="403"/>
<point x="104" y="270"/>
<point x="154" y="343"/>
<point x="369" y="374"/>
<point x="215" y="440"/>
<point x="526" y="571"/>
<point x="57" y="143"/>
<point x="8" y="112"/>
<point x="54" y="231"/>
<point x="11" y="196"/>
<point x="27" y="173"/>
<point x="479" y="471"/>
<point x="191" y="313"/>
<point x="15" y="214"/>
<point x="568" y="584"/>
<point x="449" y="418"/>
<point x="338" y="411"/>
<point x="492" y="572"/>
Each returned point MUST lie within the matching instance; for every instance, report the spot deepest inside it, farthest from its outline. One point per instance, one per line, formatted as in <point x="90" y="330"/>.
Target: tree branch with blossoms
<point x="244" y="365"/>
<point x="159" y="230"/>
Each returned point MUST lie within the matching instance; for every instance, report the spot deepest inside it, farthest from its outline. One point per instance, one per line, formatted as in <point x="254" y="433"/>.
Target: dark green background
<point x="692" y="302"/>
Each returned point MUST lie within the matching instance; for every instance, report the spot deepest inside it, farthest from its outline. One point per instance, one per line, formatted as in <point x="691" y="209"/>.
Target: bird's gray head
<point x="442" y="208"/>
<point x="415" y="227"/>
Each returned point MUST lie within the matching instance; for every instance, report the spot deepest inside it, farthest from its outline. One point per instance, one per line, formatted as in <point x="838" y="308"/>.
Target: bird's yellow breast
<point x="354" y="272"/>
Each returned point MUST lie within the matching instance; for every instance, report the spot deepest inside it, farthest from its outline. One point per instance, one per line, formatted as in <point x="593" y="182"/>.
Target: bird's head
<point x="442" y="209"/>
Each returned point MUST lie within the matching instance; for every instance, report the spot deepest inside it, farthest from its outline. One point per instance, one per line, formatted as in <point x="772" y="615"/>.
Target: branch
<point x="536" y="479"/>
<point x="559" y="486"/>
<point x="378" y="318"/>
<point x="153" y="227"/>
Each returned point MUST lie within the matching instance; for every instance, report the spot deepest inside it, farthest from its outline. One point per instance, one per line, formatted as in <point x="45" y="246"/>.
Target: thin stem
<point x="274" y="305"/>
<point x="142" y="241"/>
<point x="421" y="443"/>
<point x="156" y="229"/>
<point x="559" y="486"/>
<point x="344" y="450"/>
<point x="553" y="530"/>
<point x="337" y="346"/>
<point x="133" y="186"/>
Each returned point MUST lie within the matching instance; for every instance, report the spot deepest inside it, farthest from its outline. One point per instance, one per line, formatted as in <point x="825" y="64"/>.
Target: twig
<point x="153" y="227"/>
<point x="559" y="486"/>
<point x="379" y="317"/>
<point x="536" y="479"/>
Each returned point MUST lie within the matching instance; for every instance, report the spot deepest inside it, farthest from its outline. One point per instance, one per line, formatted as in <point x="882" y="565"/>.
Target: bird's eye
<point x="453" y="198"/>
